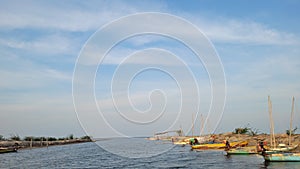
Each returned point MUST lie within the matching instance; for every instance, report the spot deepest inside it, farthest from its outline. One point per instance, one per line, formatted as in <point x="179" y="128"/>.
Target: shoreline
<point x="23" y="145"/>
<point x="231" y="137"/>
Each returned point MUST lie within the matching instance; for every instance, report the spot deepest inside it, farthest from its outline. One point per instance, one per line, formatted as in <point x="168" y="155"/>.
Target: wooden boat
<point x="219" y="145"/>
<point x="283" y="148"/>
<point x="182" y="142"/>
<point x="191" y="140"/>
<point x="8" y="150"/>
<point x="276" y="154"/>
<point x="273" y="149"/>
<point x="242" y="151"/>
<point x="283" y="157"/>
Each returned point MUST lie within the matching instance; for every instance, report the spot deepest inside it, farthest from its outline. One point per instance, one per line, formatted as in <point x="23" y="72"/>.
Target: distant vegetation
<point x="29" y="138"/>
<point x="246" y="130"/>
<point x="1" y="138"/>
<point x="15" y="138"/>
<point x="293" y="131"/>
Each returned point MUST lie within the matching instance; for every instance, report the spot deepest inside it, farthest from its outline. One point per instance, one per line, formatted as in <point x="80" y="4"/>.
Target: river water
<point x="161" y="155"/>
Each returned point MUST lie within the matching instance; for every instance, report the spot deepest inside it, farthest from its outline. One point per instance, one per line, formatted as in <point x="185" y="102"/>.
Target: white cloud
<point x="77" y="16"/>
<point x="20" y="73"/>
<point x="22" y="80"/>
<point x="44" y="45"/>
<point x="45" y="15"/>
<point x="248" y="32"/>
<point x="87" y="16"/>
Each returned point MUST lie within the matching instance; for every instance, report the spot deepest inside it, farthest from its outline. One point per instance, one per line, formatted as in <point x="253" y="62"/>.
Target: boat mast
<point x="202" y="124"/>
<point x="272" y="134"/>
<point x="291" y="121"/>
<point x="193" y="121"/>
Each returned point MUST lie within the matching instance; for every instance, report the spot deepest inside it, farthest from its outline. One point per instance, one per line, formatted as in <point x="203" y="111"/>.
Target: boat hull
<point x="283" y="157"/>
<point x="219" y="145"/>
<point x="282" y="149"/>
<point x="7" y="150"/>
<point x="242" y="151"/>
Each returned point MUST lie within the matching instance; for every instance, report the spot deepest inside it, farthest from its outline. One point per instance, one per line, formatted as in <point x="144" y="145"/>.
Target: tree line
<point x="32" y="138"/>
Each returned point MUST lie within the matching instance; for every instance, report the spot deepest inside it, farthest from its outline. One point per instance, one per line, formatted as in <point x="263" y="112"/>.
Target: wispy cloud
<point x="43" y="45"/>
<point x="58" y="30"/>
<point x="77" y="16"/>
<point x="229" y="30"/>
<point x="22" y="74"/>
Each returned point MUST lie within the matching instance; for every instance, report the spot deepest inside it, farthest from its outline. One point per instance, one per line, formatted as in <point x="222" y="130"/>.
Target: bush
<point x="27" y="138"/>
<point x="36" y="138"/>
<point x="62" y="138"/>
<point x="86" y="138"/>
<point x="2" y="138"/>
<point x="15" y="138"/>
<point x="293" y="131"/>
<point x="52" y="139"/>
<point x="241" y="130"/>
<point x="246" y="130"/>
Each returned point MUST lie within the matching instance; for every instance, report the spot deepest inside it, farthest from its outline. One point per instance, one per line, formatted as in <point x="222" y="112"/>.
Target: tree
<point x="52" y="139"/>
<point x="293" y="131"/>
<point x="241" y="130"/>
<point x="246" y="130"/>
<point x="86" y="138"/>
<point x="1" y="138"/>
<point x="15" y="138"/>
<point x="28" y="138"/>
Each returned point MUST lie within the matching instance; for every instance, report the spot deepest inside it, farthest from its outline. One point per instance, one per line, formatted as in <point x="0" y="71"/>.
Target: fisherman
<point x="227" y="145"/>
<point x="213" y="139"/>
<point x="262" y="148"/>
<point x="196" y="141"/>
<point x="192" y="141"/>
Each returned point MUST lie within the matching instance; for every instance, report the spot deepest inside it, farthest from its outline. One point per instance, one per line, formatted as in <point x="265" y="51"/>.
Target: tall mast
<point x="193" y="121"/>
<point x="291" y="121"/>
<point x="202" y="124"/>
<point x="272" y="136"/>
<point x="273" y="130"/>
<point x="269" y="108"/>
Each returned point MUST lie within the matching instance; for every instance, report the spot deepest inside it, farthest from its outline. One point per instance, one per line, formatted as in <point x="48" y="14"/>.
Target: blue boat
<point x="282" y="157"/>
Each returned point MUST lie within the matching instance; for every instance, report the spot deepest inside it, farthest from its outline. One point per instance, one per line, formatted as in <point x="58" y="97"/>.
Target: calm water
<point x="90" y="155"/>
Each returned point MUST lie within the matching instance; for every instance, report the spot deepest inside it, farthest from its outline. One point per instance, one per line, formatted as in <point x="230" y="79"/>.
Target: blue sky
<point x="257" y="43"/>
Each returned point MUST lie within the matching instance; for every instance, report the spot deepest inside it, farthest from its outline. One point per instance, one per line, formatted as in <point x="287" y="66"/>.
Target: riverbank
<point x="39" y="144"/>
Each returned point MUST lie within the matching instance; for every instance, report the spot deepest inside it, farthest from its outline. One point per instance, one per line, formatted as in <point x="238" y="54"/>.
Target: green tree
<point x="246" y="130"/>
<point x="1" y="138"/>
<point x="52" y="139"/>
<point x="28" y="138"/>
<point x="293" y="131"/>
<point x="241" y="130"/>
<point x="86" y="138"/>
<point x="15" y="138"/>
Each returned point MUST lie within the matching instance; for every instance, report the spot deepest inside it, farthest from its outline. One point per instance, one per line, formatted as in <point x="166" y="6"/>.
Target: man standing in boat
<point x="227" y="145"/>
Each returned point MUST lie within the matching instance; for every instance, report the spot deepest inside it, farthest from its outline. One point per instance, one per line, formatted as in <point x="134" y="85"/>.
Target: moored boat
<point x="283" y="157"/>
<point x="8" y="150"/>
<point x="219" y="145"/>
<point x="242" y="151"/>
<point x="281" y="148"/>
<point x="279" y="154"/>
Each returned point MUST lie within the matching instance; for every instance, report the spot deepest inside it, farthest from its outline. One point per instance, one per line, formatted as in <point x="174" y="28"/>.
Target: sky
<point x="147" y="82"/>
